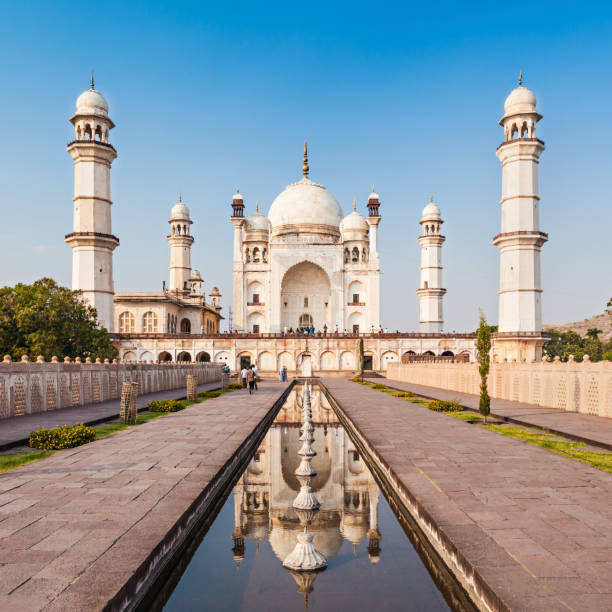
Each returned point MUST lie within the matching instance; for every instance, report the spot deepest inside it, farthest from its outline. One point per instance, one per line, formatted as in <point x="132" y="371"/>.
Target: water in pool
<point x="371" y="563"/>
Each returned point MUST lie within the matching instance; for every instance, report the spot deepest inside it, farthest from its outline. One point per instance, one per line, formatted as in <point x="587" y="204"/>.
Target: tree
<point x="593" y="332"/>
<point x="483" y="346"/>
<point x="46" y="319"/>
<point x="361" y="358"/>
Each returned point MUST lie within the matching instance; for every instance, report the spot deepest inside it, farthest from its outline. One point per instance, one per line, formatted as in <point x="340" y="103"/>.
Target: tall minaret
<point x="430" y="292"/>
<point x="92" y="240"/>
<point x="520" y="288"/>
<point x="180" y="240"/>
<point x="373" y="219"/>
<point x="238" y="266"/>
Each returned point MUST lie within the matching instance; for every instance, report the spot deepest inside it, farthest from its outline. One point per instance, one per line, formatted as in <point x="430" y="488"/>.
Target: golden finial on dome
<point x="305" y="168"/>
<point x="521" y="78"/>
<point x="257" y="206"/>
<point x="354" y="204"/>
<point x="180" y="197"/>
<point x="92" y="81"/>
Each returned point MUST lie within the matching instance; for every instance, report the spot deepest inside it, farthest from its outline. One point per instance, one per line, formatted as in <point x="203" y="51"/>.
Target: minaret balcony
<point x="92" y="142"/>
<point x="355" y="303"/>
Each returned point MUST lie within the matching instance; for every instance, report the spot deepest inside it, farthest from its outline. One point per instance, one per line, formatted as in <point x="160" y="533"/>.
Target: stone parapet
<point x="27" y="388"/>
<point x="584" y="387"/>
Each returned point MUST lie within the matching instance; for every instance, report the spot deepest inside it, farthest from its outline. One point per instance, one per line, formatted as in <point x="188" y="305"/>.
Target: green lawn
<point x="11" y="461"/>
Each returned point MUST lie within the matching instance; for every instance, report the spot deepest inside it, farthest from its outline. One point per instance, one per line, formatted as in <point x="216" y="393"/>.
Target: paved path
<point x="76" y="526"/>
<point x="533" y="527"/>
<point x="15" y="431"/>
<point x="585" y="427"/>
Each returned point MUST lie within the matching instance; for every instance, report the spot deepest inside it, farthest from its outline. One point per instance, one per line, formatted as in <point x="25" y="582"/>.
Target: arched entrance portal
<point x="305" y="297"/>
<point x="203" y="356"/>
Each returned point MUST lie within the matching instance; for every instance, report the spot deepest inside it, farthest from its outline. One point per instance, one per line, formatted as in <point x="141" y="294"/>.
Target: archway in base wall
<point x="129" y="356"/>
<point x="222" y="357"/>
<point x="285" y="360"/>
<point x="347" y="361"/>
<point x="266" y="361"/>
<point x="306" y="290"/>
<point x="328" y="361"/>
<point x="244" y="359"/>
<point x="448" y="354"/>
<point x="183" y="356"/>
<point x="146" y="356"/>
<point x="203" y="356"/>
<point x="164" y="356"/>
<point x="386" y="358"/>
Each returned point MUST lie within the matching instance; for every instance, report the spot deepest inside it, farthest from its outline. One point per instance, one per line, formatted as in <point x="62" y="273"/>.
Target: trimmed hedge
<point x="166" y="405"/>
<point x="443" y="406"/>
<point x="234" y="385"/>
<point x="64" y="436"/>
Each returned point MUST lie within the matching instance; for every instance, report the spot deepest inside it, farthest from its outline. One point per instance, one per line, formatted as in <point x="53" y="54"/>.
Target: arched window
<point x="347" y="256"/>
<point x="79" y="133"/>
<point x="425" y="285"/>
<point x="247" y="256"/>
<point x="98" y="136"/>
<point x="87" y="135"/>
<point x="126" y="323"/>
<point x="256" y="255"/>
<point x="185" y="326"/>
<point x="355" y="256"/>
<point x="149" y="323"/>
<point x="305" y="320"/>
<point x="264" y="255"/>
<point x="524" y="131"/>
<point x="514" y="132"/>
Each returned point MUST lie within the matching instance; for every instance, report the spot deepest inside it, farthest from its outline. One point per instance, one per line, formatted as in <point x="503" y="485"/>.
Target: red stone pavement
<point x="534" y="527"/>
<point x="75" y="526"/>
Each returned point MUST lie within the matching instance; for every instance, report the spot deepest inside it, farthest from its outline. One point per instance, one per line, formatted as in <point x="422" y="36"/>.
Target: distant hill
<point x="601" y="321"/>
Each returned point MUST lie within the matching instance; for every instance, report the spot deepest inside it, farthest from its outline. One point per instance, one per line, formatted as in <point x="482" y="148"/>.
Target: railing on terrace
<point x="461" y="358"/>
<point x="294" y="335"/>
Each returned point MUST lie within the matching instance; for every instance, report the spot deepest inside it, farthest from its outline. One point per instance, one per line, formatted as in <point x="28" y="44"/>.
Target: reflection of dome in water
<point x="327" y="538"/>
<point x="353" y="529"/>
<point x="290" y="459"/>
<point x="257" y="532"/>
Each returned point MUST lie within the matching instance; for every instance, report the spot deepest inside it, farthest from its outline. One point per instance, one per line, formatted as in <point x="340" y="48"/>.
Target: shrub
<point x="401" y="394"/>
<point x="166" y="405"/>
<point x="210" y="394"/>
<point x="378" y="386"/>
<point x="444" y="406"/>
<point x="234" y="385"/>
<point x="64" y="436"/>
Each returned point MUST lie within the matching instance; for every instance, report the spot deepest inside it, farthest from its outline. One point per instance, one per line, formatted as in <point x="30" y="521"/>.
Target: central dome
<point x="305" y="204"/>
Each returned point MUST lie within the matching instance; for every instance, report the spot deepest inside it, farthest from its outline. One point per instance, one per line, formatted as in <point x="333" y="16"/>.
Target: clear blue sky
<point x="403" y="96"/>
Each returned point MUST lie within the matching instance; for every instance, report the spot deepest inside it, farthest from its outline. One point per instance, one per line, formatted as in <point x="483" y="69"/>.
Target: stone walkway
<point x="76" y="526"/>
<point x="584" y="427"/>
<point x="533" y="528"/>
<point x="15" y="431"/>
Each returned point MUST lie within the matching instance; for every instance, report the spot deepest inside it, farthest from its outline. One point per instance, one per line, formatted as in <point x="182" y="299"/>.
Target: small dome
<point x="431" y="212"/>
<point x="195" y="275"/>
<point x="354" y="222"/>
<point x="237" y="195"/>
<point x="92" y="102"/>
<point x="520" y="100"/>
<point x="257" y="221"/>
<point x="305" y="203"/>
<point x="180" y="211"/>
<point x="373" y="195"/>
<point x="215" y="291"/>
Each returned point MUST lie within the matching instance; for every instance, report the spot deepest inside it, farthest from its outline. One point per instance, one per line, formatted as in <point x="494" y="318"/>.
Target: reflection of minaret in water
<point x="305" y="557"/>
<point x="373" y="534"/>
<point x="238" y="533"/>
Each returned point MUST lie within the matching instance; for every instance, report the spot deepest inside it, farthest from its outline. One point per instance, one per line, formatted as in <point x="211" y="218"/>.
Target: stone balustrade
<point x="29" y="387"/>
<point x="584" y="387"/>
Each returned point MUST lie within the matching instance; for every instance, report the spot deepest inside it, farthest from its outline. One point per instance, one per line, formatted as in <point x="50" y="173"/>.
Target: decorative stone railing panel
<point x="572" y="386"/>
<point x="31" y="387"/>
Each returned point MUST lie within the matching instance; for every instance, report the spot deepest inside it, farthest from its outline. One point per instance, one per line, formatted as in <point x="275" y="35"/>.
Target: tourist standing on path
<point x="284" y="378"/>
<point x="280" y="373"/>
<point x="255" y="370"/>
<point x="251" y="379"/>
<point x="243" y="375"/>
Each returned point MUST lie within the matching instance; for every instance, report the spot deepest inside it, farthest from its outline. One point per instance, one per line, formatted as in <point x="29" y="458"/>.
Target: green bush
<point x="378" y="386"/>
<point x="166" y="405"/>
<point x="607" y="356"/>
<point x="443" y="406"/>
<point x="401" y="394"/>
<point x="210" y="394"/>
<point x="64" y="436"/>
<point x="234" y="386"/>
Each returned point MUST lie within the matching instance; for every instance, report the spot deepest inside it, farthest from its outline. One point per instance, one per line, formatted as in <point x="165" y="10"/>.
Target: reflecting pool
<point x="371" y="563"/>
